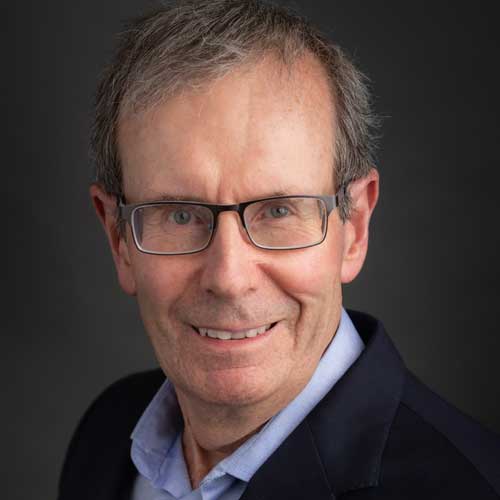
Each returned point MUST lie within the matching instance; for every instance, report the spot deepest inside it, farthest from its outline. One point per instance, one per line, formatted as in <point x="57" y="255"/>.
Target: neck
<point x="211" y="433"/>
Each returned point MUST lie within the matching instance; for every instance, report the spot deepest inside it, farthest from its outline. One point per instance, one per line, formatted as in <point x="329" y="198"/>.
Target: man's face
<point x="251" y="134"/>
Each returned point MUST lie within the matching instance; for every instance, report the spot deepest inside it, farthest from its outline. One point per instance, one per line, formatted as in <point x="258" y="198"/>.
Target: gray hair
<point x="189" y="43"/>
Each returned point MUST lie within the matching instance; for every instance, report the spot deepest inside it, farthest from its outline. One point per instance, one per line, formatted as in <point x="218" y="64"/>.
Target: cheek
<point x="160" y="282"/>
<point x="310" y="275"/>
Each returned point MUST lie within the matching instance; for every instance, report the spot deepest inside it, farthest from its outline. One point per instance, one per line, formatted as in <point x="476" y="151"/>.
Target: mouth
<point x="233" y="335"/>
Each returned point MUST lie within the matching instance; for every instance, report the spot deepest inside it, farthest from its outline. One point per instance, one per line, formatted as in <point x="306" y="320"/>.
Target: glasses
<point x="187" y="227"/>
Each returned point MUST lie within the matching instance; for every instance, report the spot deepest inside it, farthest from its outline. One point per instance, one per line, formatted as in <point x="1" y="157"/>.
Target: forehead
<point x="262" y="127"/>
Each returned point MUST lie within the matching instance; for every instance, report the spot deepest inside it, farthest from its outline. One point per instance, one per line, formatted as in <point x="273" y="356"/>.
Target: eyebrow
<point x="174" y="197"/>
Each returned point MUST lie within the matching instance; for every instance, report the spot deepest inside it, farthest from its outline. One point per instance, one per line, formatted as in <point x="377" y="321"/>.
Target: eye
<point x="279" y="211"/>
<point x="181" y="217"/>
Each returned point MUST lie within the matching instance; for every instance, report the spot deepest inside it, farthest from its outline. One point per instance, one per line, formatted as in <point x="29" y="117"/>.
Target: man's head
<point x="226" y="102"/>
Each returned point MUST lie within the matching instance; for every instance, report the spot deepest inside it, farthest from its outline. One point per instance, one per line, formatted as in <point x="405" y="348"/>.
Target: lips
<point x="233" y="334"/>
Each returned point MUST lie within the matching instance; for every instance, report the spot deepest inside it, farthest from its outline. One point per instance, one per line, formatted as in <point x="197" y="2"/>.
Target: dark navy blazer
<point x="380" y="433"/>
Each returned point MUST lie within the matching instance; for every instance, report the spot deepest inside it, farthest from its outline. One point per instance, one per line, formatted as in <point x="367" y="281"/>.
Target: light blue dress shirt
<point x="157" y="438"/>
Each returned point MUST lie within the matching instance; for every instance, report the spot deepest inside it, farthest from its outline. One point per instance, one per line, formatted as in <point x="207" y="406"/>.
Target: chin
<point x="234" y="389"/>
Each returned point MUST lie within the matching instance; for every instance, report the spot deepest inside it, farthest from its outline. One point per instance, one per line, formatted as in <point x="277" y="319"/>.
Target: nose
<point x="230" y="270"/>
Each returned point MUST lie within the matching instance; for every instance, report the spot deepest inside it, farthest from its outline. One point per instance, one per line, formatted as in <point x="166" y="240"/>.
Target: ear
<point x="364" y="196"/>
<point x="106" y="210"/>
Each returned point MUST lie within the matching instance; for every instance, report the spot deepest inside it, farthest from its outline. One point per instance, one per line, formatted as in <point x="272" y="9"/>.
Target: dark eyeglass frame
<point x="126" y="213"/>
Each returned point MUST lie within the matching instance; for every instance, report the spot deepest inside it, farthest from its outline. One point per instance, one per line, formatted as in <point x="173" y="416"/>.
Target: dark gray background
<point x="432" y="272"/>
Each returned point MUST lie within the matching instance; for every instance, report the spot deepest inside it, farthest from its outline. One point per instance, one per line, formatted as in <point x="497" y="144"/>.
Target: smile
<point x="233" y="335"/>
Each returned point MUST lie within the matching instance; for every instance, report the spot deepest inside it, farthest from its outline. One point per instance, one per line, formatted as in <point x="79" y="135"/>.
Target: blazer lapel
<point x="351" y="424"/>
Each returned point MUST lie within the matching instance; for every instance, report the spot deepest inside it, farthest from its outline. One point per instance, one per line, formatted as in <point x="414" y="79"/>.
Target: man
<point x="235" y="183"/>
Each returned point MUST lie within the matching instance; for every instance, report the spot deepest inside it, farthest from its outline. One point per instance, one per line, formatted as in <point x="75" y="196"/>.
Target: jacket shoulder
<point x="99" y="451"/>
<point x="433" y="446"/>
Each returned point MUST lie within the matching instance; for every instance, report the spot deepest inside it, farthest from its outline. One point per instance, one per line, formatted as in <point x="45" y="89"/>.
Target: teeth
<point x="238" y="336"/>
<point x="225" y="335"/>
